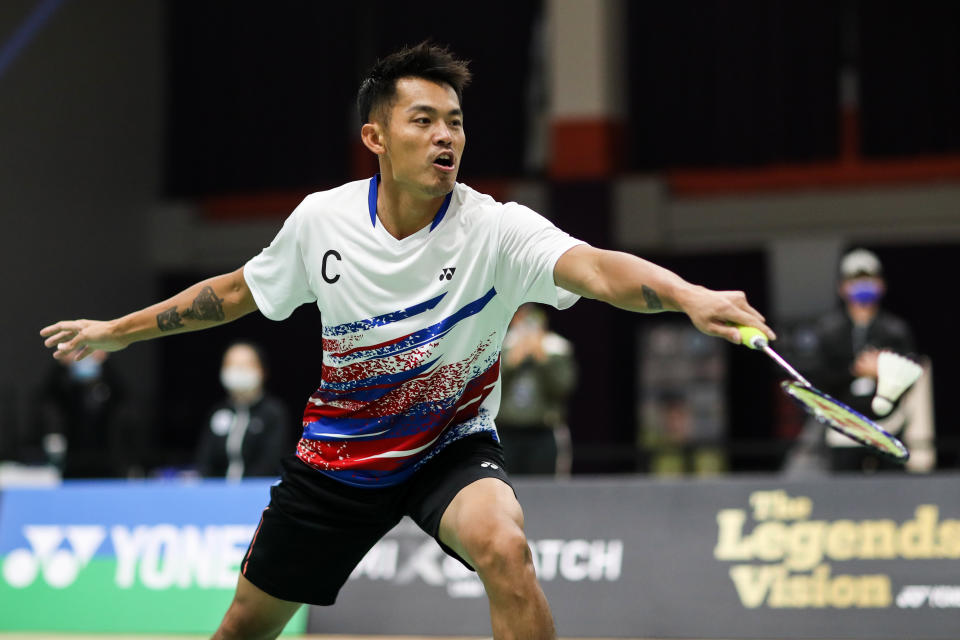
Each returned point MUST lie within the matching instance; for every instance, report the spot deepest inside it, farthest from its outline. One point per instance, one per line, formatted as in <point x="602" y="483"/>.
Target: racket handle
<point x="753" y="338"/>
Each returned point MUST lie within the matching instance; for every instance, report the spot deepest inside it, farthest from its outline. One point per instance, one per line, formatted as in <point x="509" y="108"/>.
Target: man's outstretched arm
<point x="634" y="284"/>
<point x="213" y="302"/>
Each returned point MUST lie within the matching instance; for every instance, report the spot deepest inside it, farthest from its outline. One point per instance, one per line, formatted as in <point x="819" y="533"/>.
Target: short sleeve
<point x="529" y="246"/>
<point x="277" y="276"/>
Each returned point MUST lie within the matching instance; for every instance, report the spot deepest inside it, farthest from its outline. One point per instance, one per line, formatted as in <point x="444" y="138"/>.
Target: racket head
<point x="842" y="418"/>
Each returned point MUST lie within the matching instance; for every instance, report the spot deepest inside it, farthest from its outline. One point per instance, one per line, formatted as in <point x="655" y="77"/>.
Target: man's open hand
<point x="76" y="339"/>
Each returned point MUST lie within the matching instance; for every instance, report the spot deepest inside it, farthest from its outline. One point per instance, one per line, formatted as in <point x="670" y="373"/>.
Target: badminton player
<point x="416" y="277"/>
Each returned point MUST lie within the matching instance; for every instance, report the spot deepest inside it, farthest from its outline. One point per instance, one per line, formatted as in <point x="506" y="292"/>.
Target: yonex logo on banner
<point x="58" y="564"/>
<point x="156" y="556"/>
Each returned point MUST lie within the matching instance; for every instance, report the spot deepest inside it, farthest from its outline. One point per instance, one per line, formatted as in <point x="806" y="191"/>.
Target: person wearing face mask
<point x="246" y="434"/>
<point x="83" y="421"/>
<point x="843" y="351"/>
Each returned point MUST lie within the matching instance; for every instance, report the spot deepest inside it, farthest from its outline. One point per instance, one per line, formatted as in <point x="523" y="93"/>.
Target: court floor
<point x="73" y="636"/>
<point x="85" y="636"/>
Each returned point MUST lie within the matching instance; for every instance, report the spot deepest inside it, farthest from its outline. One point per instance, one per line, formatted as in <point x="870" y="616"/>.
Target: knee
<point x="501" y="550"/>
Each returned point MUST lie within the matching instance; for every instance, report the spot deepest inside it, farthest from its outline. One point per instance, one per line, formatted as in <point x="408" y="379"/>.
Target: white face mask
<point x="240" y="379"/>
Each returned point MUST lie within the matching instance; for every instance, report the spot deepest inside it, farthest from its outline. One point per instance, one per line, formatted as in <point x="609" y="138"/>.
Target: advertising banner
<point x="855" y="557"/>
<point x="116" y="556"/>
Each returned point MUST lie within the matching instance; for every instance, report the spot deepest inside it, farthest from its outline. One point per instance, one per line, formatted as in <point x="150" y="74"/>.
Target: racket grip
<point x="750" y="337"/>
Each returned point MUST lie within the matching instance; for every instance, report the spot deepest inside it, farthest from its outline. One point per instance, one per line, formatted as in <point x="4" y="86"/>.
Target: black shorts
<point x="316" y="529"/>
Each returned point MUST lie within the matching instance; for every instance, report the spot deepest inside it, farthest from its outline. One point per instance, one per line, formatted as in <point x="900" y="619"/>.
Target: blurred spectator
<point x="82" y="418"/>
<point x="246" y="434"/>
<point x="538" y="373"/>
<point x="681" y="404"/>
<point x="840" y="354"/>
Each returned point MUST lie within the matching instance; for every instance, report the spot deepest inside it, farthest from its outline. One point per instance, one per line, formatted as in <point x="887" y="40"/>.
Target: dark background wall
<point x="263" y="96"/>
<point x="80" y="132"/>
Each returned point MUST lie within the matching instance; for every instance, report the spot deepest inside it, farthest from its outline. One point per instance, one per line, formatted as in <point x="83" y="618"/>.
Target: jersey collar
<point x="372" y="204"/>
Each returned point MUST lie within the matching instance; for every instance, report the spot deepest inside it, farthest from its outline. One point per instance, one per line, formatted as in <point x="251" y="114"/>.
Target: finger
<point x="51" y="329"/>
<point x="66" y="350"/>
<point x="59" y="338"/>
<point x="83" y="353"/>
<point x="751" y="320"/>
<point x="62" y="355"/>
<point x="739" y="300"/>
<point x="743" y="306"/>
<point x="749" y="316"/>
<point x="726" y="331"/>
<point x="63" y="325"/>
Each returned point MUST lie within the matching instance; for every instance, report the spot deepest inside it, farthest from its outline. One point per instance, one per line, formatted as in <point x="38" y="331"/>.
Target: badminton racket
<point x="825" y="409"/>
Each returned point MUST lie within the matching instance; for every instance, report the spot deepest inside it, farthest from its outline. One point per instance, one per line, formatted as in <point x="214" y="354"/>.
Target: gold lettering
<point x="730" y="543"/>
<point x="768" y="505"/>
<point x="875" y="592"/>
<point x="840" y="543"/>
<point x="916" y="536"/>
<point x="768" y="540"/>
<point x="802" y="507"/>
<point x="949" y="539"/>
<point x="805" y="545"/>
<point x="777" y="505"/>
<point x="780" y="589"/>
<point x="784" y="535"/>
<point x="842" y="592"/>
<point x="800" y="591"/>
<point x="818" y="586"/>
<point x="878" y="539"/>
<point x="753" y="582"/>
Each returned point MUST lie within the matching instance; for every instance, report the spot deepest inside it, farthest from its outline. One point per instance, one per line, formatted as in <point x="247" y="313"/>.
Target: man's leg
<point x="484" y="525"/>
<point x="254" y="614"/>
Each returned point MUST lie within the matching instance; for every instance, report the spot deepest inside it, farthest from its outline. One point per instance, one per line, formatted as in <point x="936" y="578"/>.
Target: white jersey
<point x="412" y="328"/>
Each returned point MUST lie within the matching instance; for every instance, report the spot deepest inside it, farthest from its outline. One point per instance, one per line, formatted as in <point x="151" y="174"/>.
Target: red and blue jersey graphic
<point x="386" y="406"/>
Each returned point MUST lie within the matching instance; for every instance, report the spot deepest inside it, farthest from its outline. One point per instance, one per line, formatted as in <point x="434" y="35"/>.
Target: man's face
<point x="424" y="137"/>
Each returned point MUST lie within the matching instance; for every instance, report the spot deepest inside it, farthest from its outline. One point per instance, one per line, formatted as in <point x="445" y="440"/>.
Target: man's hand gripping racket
<point x="825" y="409"/>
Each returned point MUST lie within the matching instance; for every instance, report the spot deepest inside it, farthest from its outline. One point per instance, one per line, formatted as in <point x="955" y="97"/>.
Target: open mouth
<point x="444" y="161"/>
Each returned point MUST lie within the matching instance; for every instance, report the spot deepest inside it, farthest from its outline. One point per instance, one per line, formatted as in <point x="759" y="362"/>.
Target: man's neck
<point x="246" y="399"/>
<point x="862" y="315"/>
<point x="401" y="212"/>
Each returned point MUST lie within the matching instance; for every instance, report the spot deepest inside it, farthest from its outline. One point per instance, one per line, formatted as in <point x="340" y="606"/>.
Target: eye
<point x="422" y="120"/>
<point x="456" y="123"/>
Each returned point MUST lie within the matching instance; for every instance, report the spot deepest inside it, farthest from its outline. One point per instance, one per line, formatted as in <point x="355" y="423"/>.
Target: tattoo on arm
<point x="206" y="306"/>
<point x="652" y="299"/>
<point x="169" y="319"/>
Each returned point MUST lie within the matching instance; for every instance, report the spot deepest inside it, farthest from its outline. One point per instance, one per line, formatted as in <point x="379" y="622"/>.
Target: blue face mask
<point x="85" y="370"/>
<point x="864" y="292"/>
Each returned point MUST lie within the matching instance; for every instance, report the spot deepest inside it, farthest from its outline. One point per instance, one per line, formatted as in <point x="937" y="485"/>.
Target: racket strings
<point x="844" y="419"/>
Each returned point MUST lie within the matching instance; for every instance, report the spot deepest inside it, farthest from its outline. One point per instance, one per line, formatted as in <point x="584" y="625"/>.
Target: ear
<point x="372" y="136"/>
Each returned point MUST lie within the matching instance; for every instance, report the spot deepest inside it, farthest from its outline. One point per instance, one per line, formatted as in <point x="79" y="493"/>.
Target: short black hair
<point x="425" y="60"/>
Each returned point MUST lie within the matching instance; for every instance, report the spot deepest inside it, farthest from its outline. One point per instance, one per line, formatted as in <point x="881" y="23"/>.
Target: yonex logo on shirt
<point x="489" y="465"/>
<point x="447" y="273"/>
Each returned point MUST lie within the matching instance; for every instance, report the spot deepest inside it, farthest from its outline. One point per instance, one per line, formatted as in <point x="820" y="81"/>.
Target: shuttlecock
<point x="895" y="374"/>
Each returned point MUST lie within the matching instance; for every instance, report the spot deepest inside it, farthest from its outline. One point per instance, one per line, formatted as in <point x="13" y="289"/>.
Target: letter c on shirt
<point x="323" y="269"/>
